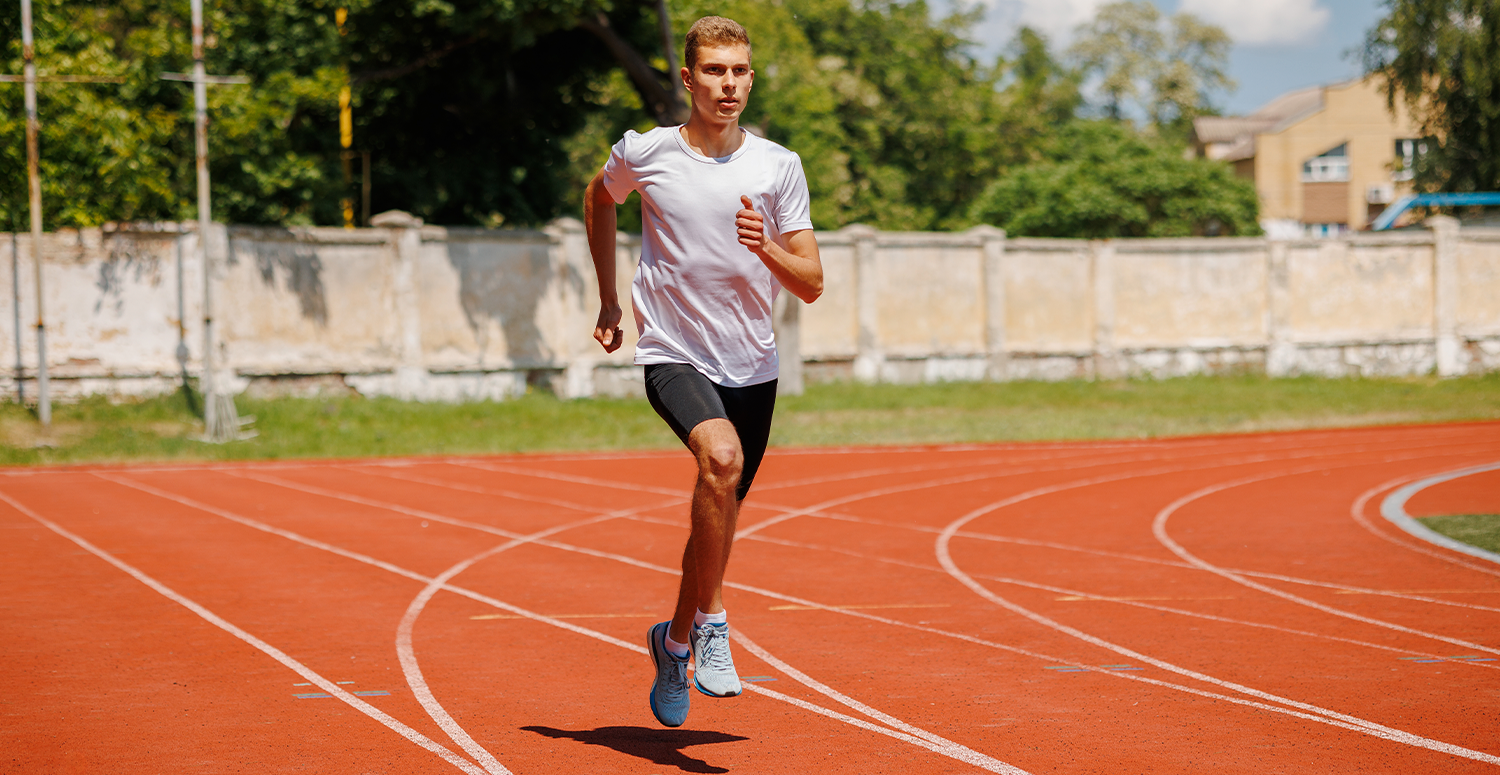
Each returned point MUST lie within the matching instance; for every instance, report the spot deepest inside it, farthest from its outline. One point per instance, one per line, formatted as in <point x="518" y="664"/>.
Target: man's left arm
<point x="797" y="266"/>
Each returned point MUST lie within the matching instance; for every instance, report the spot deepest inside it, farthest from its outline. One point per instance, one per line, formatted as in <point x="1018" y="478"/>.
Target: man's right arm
<point x="599" y="222"/>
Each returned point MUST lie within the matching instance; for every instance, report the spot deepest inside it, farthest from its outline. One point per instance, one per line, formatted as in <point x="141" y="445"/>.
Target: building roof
<point x="1235" y="135"/>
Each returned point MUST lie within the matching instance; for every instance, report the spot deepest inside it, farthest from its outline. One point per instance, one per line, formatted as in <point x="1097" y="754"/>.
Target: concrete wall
<point x="458" y="314"/>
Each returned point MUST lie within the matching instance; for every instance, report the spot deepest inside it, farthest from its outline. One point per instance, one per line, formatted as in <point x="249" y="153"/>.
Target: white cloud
<point x="1262" y="22"/>
<point x="1058" y="18"/>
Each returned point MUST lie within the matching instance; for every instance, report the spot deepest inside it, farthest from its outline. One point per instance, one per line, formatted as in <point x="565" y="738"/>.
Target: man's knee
<point x="723" y="459"/>
<point x="720" y="457"/>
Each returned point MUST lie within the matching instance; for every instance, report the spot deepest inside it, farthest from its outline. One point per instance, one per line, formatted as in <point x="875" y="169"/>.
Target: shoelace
<point x="714" y="648"/>
<point x="678" y="666"/>
<point x="679" y="685"/>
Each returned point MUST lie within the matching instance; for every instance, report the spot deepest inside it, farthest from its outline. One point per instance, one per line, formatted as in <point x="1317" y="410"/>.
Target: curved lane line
<point x="1159" y="529"/>
<point x="407" y="654"/>
<point x="768" y="593"/>
<point x="1132" y="603"/>
<point x="1393" y="508"/>
<point x="802" y="601"/>
<point x="1357" y="511"/>
<point x="928" y="740"/>
<point x="1136" y="558"/>
<point x="277" y="654"/>
<point x="949" y="748"/>
<point x="1323" y="714"/>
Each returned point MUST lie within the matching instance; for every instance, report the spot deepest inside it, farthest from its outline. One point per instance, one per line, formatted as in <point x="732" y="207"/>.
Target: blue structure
<point x="1409" y="201"/>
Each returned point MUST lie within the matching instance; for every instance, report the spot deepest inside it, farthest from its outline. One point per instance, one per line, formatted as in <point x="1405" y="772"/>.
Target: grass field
<point x="164" y="428"/>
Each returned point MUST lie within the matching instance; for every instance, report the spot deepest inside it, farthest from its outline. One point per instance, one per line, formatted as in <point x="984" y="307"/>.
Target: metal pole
<point x="216" y="427"/>
<point x="34" y="181"/>
<point x="182" y="348"/>
<point x="15" y="288"/>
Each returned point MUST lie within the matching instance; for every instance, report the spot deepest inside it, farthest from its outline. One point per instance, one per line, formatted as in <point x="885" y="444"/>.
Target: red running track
<point x="1227" y="604"/>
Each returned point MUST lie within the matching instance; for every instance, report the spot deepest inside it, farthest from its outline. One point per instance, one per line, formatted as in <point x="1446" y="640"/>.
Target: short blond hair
<point x="713" y="31"/>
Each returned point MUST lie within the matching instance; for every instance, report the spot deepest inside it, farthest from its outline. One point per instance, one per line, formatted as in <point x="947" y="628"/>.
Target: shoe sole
<point x="708" y="693"/>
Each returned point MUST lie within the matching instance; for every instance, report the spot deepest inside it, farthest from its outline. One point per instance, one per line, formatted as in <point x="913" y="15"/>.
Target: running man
<point x="725" y="225"/>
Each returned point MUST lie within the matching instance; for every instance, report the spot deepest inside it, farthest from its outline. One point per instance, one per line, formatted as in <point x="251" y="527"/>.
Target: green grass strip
<point x="1481" y="530"/>
<point x="163" y="428"/>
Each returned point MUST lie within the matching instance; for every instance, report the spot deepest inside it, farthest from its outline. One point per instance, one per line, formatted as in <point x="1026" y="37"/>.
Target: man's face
<point x="720" y="83"/>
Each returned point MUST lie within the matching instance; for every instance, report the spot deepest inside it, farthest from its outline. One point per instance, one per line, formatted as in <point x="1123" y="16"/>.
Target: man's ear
<point x="687" y="79"/>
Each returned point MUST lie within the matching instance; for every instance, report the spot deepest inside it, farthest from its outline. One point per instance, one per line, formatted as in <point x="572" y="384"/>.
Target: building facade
<point x="1324" y="160"/>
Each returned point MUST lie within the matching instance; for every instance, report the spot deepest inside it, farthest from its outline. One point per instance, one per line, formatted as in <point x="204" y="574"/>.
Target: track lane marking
<point x="1256" y="458"/>
<point x="1393" y="508"/>
<point x="946" y="748"/>
<point x="1159" y="529"/>
<point x="1314" y="713"/>
<point x="1338" y="588"/>
<point x="949" y="748"/>
<point x="1128" y="602"/>
<point x="1322" y="714"/>
<point x="774" y="595"/>
<point x="1357" y="723"/>
<point x="407" y="654"/>
<point x="277" y="654"/>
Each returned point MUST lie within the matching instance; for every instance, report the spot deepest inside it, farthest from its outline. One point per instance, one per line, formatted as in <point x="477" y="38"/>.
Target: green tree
<point x="108" y="151"/>
<point x="1442" y="59"/>
<point x="1102" y="179"/>
<point x="463" y="104"/>
<point x="1169" y="71"/>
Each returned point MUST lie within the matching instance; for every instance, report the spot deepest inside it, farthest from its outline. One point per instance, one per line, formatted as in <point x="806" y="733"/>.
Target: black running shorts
<point x="684" y="397"/>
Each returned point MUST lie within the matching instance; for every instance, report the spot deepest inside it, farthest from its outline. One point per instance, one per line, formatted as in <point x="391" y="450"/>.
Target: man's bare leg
<point x="715" y="513"/>
<point x="699" y="620"/>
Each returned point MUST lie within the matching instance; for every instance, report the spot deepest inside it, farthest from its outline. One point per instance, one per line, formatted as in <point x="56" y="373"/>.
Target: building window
<point x="1407" y="152"/>
<point x="1330" y="167"/>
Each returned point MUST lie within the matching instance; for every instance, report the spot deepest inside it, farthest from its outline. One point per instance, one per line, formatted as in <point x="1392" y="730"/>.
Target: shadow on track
<point x="660" y="746"/>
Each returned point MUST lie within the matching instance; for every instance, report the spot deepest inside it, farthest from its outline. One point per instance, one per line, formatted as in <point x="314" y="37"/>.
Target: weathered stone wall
<point x="453" y="314"/>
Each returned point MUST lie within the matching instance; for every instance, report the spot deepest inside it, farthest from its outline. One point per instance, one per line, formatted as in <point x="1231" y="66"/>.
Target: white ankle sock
<point x="679" y="650"/>
<point x="700" y="618"/>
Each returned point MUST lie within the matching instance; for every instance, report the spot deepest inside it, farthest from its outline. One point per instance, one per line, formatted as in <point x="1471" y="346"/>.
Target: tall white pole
<point x="34" y="181"/>
<point x="220" y="420"/>
<point x="205" y="218"/>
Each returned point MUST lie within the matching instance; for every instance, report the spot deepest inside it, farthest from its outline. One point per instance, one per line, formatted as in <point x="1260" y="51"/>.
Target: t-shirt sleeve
<point x="793" y="208"/>
<point x="619" y="174"/>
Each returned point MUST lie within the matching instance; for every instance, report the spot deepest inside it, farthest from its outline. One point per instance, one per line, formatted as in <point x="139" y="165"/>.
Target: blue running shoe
<point x="669" y="693"/>
<point x="713" y="667"/>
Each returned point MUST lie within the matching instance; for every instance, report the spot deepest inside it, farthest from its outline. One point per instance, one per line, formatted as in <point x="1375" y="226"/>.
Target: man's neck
<point x="713" y="139"/>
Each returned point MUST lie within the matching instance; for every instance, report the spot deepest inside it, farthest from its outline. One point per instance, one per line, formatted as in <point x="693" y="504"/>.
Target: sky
<point x="1279" y="45"/>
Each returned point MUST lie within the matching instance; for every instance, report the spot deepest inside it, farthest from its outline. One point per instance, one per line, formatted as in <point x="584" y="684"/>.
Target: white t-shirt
<point x="700" y="296"/>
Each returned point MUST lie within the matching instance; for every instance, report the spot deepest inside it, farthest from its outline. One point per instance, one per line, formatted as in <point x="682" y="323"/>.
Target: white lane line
<point x="949" y="748"/>
<point x="1324" y="714"/>
<point x="1357" y="511"/>
<point x="1122" y="601"/>
<point x="407" y="654"/>
<point x="1306" y="452"/>
<point x="277" y="654"/>
<point x="478" y="490"/>
<point x="945" y="748"/>
<point x="858" y="614"/>
<point x="501" y="468"/>
<point x="1339" y="588"/>
<point x="862" y="724"/>
<point x="1318" y="715"/>
<point x="1393" y="508"/>
<point x="1159" y="529"/>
